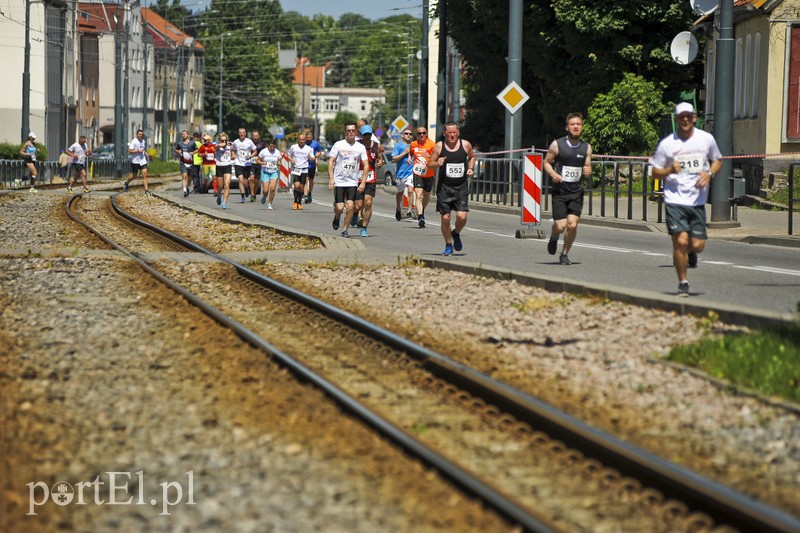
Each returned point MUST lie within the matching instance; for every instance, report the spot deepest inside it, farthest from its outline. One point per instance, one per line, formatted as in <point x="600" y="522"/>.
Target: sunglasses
<point x="422" y="133"/>
<point x="407" y="133"/>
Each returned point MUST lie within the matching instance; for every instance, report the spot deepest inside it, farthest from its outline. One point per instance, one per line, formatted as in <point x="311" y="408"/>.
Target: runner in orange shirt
<point x="420" y="156"/>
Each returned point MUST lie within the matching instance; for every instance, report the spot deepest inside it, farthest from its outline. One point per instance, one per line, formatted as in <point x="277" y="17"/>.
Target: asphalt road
<point x="747" y="276"/>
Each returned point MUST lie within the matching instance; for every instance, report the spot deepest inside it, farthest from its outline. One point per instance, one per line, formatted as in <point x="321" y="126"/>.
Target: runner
<point x="185" y="148"/>
<point x="567" y="160"/>
<point x="312" y="165"/>
<point x="197" y="163"/>
<point x="269" y="159"/>
<point x="29" y="151"/>
<point x="254" y="175"/>
<point x="300" y="155"/>
<point x="137" y="152"/>
<point x="346" y="157"/>
<point x="78" y="152"/>
<point x="419" y="157"/>
<point x="405" y="179"/>
<point x="687" y="160"/>
<point x="207" y="154"/>
<point x="363" y="199"/>
<point x="223" y="153"/>
<point x="456" y="162"/>
<point x="243" y="149"/>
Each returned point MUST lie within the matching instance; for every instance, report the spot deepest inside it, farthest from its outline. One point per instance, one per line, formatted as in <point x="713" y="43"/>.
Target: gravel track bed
<point x="591" y="358"/>
<point x="214" y="234"/>
<point x="515" y="467"/>
<point x="96" y="382"/>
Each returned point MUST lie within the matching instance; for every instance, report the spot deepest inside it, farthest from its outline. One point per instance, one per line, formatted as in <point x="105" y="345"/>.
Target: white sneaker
<point x="33" y="189"/>
<point x="269" y="207"/>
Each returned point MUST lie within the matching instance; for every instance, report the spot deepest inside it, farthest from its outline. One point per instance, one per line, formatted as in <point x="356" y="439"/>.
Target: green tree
<point x="334" y="129"/>
<point x="625" y="119"/>
<point x="174" y="12"/>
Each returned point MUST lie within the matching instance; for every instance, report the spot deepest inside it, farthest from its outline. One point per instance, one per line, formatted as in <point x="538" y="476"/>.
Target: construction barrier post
<point x="531" y="194"/>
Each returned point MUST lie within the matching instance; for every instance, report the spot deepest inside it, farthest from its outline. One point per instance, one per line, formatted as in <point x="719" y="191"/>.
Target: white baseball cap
<point x="31" y="135"/>
<point x="684" y="107"/>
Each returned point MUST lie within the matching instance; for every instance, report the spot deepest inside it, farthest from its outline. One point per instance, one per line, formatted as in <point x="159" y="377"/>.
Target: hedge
<point x="11" y="151"/>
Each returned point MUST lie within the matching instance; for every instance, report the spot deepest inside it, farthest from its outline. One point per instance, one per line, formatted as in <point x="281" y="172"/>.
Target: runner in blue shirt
<point x="312" y="165"/>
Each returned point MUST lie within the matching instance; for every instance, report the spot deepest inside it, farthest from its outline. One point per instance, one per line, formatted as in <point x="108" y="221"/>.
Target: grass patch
<point x="766" y="362"/>
<point x="531" y="305"/>
<point x="157" y="167"/>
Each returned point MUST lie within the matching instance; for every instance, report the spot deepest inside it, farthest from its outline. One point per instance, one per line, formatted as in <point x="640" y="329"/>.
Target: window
<point x="314" y="104"/>
<point x="792" y="102"/>
<point x="331" y="105"/>
<point x="737" y="81"/>
<point x="363" y="105"/>
<point x="756" y="74"/>
<point x="747" y="76"/>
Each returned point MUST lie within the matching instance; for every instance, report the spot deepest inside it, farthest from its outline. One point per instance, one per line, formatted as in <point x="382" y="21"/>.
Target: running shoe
<point x="683" y="289"/>
<point x="345" y="234"/>
<point x="69" y="189"/>
<point x="269" y="207"/>
<point x="185" y="193"/>
<point x="564" y="260"/>
<point x="243" y="199"/>
<point x="263" y="200"/>
<point x="398" y="215"/>
<point x="552" y="246"/>
<point x="692" y="260"/>
<point x="422" y="221"/>
<point x="252" y="198"/>
<point x="305" y="199"/>
<point x="219" y="199"/>
<point x="224" y="205"/>
<point x="147" y="193"/>
<point x="457" y="245"/>
<point x="354" y="221"/>
<point x="448" y="250"/>
<point x="125" y="187"/>
<point x="410" y="215"/>
<point x="294" y="206"/>
<point x="86" y="190"/>
<point x="308" y="199"/>
<point x="33" y="189"/>
<point x="363" y="232"/>
<point x="335" y="224"/>
<point x="299" y="206"/>
<point x="360" y="222"/>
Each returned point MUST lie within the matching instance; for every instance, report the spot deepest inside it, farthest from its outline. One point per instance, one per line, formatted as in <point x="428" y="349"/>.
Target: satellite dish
<point x="704" y="7"/>
<point x="683" y="48"/>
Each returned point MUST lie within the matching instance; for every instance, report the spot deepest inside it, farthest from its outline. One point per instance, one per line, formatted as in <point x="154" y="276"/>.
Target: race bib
<point x="244" y="155"/>
<point x="420" y="166"/>
<point x="454" y="170"/>
<point x="690" y="163"/>
<point x="349" y="167"/>
<point x="296" y="172"/>
<point x="571" y="174"/>
<point x="187" y="156"/>
<point x="271" y="166"/>
<point x="33" y="157"/>
<point x="81" y="159"/>
<point x="371" y="176"/>
<point x="209" y="157"/>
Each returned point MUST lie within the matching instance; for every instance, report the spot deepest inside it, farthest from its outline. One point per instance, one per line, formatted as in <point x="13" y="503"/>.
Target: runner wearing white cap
<point x="29" y="151"/>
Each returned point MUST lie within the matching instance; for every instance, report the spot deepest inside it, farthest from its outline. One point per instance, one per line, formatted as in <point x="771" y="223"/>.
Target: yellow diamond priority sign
<point x="400" y="123"/>
<point x="513" y="97"/>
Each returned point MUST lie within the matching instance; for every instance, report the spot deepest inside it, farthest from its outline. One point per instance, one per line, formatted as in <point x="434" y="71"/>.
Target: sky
<point x="371" y="9"/>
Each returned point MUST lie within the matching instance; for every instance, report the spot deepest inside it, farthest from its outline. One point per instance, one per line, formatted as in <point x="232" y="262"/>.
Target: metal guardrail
<point x="15" y="169"/>
<point x="792" y="198"/>
<point x="497" y="181"/>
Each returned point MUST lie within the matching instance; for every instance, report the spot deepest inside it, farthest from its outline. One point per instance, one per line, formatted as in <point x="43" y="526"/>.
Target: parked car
<point x="386" y="173"/>
<point x="104" y="151"/>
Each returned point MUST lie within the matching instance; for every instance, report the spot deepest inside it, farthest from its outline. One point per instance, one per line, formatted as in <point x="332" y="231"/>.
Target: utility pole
<point x="26" y="76"/>
<point x="409" y="79"/>
<point x="514" y="122"/>
<point x="221" y="58"/>
<point x="179" y="120"/>
<point x="126" y="90"/>
<point x="164" y="114"/>
<point x="303" y="98"/>
<point x="144" y="86"/>
<point x="423" y="68"/>
<point x="723" y="117"/>
<point x="118" y="131"/>
<point x="441" y="76"/>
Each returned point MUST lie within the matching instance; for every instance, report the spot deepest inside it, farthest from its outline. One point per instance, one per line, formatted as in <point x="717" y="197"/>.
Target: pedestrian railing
<point x="617" y="187"/>
<point x="15" y="174"/>
<point x="793" y="170"/>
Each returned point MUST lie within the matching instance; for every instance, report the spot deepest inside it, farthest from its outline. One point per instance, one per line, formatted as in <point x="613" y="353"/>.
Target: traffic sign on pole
<point x="513" y="97"/>
<point x="400" y="123"/>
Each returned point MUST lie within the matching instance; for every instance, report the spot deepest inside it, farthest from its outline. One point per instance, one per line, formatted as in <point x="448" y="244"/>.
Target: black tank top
<point x="569" y="163"/>
<point x="454" y="170"/>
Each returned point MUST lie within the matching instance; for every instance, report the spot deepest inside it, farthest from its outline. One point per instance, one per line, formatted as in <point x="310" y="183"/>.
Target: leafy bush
<point x="624" y="121"/>
<point x="11" y="151"/>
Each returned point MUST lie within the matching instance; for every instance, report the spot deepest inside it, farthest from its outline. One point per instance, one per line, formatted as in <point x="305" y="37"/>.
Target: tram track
<point x="678" y="496"/>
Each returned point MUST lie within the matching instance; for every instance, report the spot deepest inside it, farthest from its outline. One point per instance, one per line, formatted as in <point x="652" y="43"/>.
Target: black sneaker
<point x="354" y="221"/>
<point x="552" y="246"/>
<point x="398" y="215"/>
<point x="125" y="187"/>
<point x="335" y="224"/>
<point x="683" y="289"/>
<point x="345" y="234"/>
<point x="457" y="245"/>
<point x="422" y="222"/>
<point x="185" y="193"/>
<point x="564" y="259"/>
<point x="692" y="260"/>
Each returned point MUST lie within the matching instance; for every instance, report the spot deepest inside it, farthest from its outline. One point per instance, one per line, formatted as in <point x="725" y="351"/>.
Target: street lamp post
<point x="26" y="75"/>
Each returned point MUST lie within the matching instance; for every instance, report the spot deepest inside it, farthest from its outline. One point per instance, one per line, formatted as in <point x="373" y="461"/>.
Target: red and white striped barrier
<point x="285" y="169"/>
<point x="532" y="190"/>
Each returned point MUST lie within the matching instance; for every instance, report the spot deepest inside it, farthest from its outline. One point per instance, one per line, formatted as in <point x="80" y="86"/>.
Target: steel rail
<point x="723" y="504"/>
<point x="461" y="477"/>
